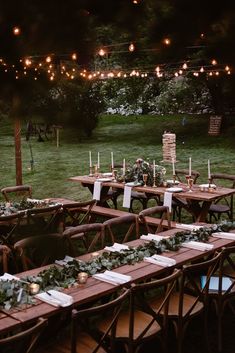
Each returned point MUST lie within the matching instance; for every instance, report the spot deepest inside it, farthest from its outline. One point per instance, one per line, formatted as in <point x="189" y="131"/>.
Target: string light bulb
<point x="74" y="56"/>
<point x="101" y="52"/>
<point x="166" y="41"/>
<point x="214" y="62"/>
<point x="48" y="59"/>
<point x="131" y="47"/>
<point x="16" y="31"/>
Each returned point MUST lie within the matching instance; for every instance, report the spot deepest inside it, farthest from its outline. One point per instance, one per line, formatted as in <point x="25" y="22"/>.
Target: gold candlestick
<point x="154" y="182"/>
<point x="91" y="171"/>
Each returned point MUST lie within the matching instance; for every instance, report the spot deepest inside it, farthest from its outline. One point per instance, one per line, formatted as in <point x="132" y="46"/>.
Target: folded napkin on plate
<point x="8" y="276"/>
<point x="55" y="298"/>
<point x="116" y="247"/>
<point x="197" y="245"/>
<point x="97" y="190"/>
<point x="127" y="196"/>
<point x="64" y="261"/>
<point x="160" y="260"/>
<point x="150" y="237"/>
<point x="112" y="277"/>
<point x="187" y="226"/>
<point x="224" y="235"/>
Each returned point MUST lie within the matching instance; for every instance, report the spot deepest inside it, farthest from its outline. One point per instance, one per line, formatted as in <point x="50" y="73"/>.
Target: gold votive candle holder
<point x="82" y="277"/>
<point x="34" y="288"/>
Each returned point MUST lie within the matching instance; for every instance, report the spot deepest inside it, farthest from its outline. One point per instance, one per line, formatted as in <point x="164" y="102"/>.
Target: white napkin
<point x="160" y="260"/>
<point x="116" y="247"/>
<point x="112" y="277"/>
<point x="167" y="199"/>
<point x="187" y="226"/>
<point x="224" y="235"/>
<point x="64" y="261"/>
<point x="8" y="277"/>
<point x="197" y="245"/>
<point x="127" y="196"/>
<point x="97" y="190"/>
<point x="150" y="237"/>
<point x="55" y="298"/>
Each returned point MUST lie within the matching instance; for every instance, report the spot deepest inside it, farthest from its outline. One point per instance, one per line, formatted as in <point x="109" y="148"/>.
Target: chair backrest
<point x="5" y="252"/>
<point x="181" y="173"/>
<point x="195" y="281"/>
<point x="10" y="225"/>
<point x="120" y="229"/>
<point x="226" y="273"/>
<point x="224" y="179"/>
<point x="12" y="193"/>
<point x="76" y="213"/>
<point x="90" y="234"/>
<point x="45" y="218"/>
<point x="87" y="318"/>
<point x="25" y="340"/>
<point x="39" y="250"/>
<point x="151" y="301"/>
<point x="163" y="214"/>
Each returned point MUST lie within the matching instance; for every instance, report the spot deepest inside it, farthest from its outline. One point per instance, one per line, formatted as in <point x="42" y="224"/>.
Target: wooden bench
<point x="111" y="213"/>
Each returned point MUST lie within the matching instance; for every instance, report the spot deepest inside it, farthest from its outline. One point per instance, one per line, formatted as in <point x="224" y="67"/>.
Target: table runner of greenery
<point x="8" y="208"/>
<point x="13" y="292"/>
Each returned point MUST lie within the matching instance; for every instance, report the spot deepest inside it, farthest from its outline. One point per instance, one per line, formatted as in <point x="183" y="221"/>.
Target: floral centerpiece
<point x="139" y="168"/>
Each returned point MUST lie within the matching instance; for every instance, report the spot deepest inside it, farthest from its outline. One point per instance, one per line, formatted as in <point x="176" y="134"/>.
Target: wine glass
<point x="145" y="178"/>
<point x="190" y="184"/>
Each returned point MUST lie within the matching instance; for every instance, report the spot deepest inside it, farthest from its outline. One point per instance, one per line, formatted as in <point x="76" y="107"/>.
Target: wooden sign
<point x="215" y="125"/>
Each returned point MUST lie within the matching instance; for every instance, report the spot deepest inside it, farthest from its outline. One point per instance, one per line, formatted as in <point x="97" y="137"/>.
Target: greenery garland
<point x="13" y="293"/>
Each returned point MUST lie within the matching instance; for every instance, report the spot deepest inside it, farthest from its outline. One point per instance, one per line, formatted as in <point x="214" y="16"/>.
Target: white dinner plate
<point x="172" y="182"/>
<point x="207" y="186"/>
<point x="104" y="179"/>
<point x="175" y="189"/>
<point x="107" y="174"/>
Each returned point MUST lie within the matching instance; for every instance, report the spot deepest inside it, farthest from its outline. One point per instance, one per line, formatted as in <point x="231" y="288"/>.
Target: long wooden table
<point x="197" y="202"/>
<point x="94" y="289"/>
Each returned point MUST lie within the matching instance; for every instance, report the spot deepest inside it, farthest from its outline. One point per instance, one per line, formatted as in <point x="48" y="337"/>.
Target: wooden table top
<point x="95" y="289"/>
<point x="196" y="194"/>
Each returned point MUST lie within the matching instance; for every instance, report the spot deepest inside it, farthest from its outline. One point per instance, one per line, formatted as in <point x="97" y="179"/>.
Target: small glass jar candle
<point x="34" y="288"/>
<point x="82" y="277"/>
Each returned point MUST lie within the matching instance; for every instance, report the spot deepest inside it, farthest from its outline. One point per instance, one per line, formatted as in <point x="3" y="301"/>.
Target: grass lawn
<point x="127" y="137"/>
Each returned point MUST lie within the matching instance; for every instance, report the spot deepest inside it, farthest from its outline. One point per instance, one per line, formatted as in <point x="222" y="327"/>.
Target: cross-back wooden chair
<point x="139" y="323"/>
<point x="5" y="252"/>
<point x="163" y="214"/>
<point x="24" y="341"/>
<point x="191" y="299"/>
<point x="11" y="193"/>
<point x="39" y="250"/>
<point x="89" y="234"/>
<point x="120" y="229"/>
<point x="181" y="177"/>
<point x="223" y="205"/>
<point x="44" y="219"/>
<point x="85" y="336"/>
<point x="10" y="227"/>
<point x="222" y="293"/>
<point x="76" y="213"/>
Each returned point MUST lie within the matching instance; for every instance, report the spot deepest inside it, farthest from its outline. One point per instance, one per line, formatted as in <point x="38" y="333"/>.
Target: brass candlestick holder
<point x="114" y="174"/>
<point x="91" y="171"/>
<point x="174" y="178"/>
